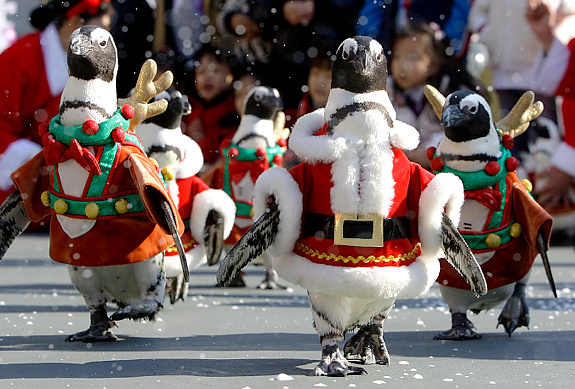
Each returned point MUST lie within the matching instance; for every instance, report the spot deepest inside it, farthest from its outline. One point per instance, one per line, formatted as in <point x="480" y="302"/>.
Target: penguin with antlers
<point x="111" y="215"/>
<point x="501" y="222"/>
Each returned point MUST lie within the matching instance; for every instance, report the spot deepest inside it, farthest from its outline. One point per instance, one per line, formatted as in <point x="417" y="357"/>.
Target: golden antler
<point x="146" y="88"/>
<point x="435" y="98"/>
<point x="522" y="113"/>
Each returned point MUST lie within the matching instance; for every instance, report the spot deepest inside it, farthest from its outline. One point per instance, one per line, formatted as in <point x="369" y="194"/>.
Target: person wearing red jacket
<point x="34" y="72"/>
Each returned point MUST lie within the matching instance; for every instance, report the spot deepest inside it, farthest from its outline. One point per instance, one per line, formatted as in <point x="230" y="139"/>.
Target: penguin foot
<point x="177" y="288"/>
<point x="271" y="281"/>
<point x="143" y="309"/>
<point x="461" y="329"/>
<point x="334" y="364"/>
<point x="368" y="346"/>
<point x="514" y="314"/>
<point x="96" y="333"/>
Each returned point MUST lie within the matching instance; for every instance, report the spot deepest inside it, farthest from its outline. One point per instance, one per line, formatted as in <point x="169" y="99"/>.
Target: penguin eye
<point x="344" y="54"/>
<point x="473" y="109"/>
<point x="103" y="44"/>
<point x="379" y="57"/>
<point x="257" y="97"/>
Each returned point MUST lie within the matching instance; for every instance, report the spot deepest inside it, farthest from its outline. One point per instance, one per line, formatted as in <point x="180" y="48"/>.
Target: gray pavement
<point x="247" y="338"/>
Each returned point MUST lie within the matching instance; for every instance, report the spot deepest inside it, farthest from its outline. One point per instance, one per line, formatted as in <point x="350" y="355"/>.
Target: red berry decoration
<point x="261" y="152"/>
<point x="43" y="128"/>
<point x="90" y="127"/>
<point x="226" y="143"/>
<point x="127" y="111"/>
<point x="118" y="135"/>
<point x="436" y="164"/>
<point x="282" y="142"/>
<point x="277" y="160"/>
<point x="507" y="141"/>
<point x="233" y="153"/>
<point x="511" y="164"/>
<point x="430" y="152"/>
<point x="492" y="168"/>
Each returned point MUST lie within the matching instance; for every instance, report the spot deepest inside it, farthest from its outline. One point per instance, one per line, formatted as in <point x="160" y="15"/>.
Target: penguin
<point x="253" y="148"/>
<point x="112" y="217"/>
<point x="180" y="159"/>
<point x="501" y="222"/>
<point x="356" y="223"/>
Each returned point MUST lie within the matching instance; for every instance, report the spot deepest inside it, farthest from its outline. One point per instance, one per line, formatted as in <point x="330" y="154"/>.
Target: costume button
<point x="60" y="206"/>
<point x="121" y="206"/>
<point x="45" y="198"/>
<point x="92" y="210"/>
<point x="527" y="184"/>
<point x="515" y="230"/>
<point x="493" y="241"/>
<point x="167" y="174"/>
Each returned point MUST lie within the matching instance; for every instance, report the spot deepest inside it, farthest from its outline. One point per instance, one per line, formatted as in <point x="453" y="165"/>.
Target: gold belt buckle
<point x="376" y="239"/>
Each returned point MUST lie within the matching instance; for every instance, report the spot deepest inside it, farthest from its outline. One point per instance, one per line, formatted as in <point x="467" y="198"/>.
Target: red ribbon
<point x="56" y="152"/>
<point x="488" y="197"/>
<point x="238" y="169"/>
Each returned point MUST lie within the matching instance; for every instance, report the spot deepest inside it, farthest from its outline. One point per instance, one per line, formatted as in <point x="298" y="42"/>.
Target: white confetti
<point x="283" y="377"/>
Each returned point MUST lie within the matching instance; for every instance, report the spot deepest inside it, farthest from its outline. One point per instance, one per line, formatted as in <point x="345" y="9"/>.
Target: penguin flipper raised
<point x="459" y="255"/>
<point x="13" y="220"/>
<point x="214" y="236"/>
<point x="254" y="243"/>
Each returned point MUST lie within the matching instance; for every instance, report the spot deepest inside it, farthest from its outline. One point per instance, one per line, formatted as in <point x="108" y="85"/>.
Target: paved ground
<point x="247" y="338"/>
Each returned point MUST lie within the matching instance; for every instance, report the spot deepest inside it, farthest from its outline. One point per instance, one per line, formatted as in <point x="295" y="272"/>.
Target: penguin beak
<point x="362" y="62"/>
<point x="452" y="116"/>
<point x="80" y="45"/>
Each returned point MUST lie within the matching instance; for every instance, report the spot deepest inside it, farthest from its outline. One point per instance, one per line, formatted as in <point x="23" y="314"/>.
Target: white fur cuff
<point x="204" y="202"/>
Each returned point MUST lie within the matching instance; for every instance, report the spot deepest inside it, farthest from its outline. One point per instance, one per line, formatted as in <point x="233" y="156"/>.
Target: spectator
<point x="318" y="85"/>
<point x="34" y="73"/>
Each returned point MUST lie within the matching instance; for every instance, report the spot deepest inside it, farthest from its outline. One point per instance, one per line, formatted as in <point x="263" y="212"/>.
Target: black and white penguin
<point x="180" y="158"/>
<point x="331" y="210"/>
<point x="499" y="219"/>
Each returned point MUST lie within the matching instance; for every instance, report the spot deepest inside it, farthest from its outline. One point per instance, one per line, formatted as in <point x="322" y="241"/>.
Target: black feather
<point x="254" y="243"/>
<point x="13" y="220"/>
<point x="214" y="236"/>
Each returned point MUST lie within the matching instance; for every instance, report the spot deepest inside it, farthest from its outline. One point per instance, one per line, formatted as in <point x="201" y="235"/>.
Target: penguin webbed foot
<point x="271" y="281"/>
<point x="177" y="288"/>
<point x="99" y="330"/>
<point x="461" y="329"/>
<point x="514" y="314"/>
<point x="334" y="364"/>
<point x="368" y="346"/>
<point x="145" y="309"/>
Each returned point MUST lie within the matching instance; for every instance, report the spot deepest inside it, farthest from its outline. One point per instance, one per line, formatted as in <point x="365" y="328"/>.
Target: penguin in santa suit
<point x="504" y="226"/>
<point x="356" y="224"/>
<point x="201" y="208"/>
<point x="112" y="217"/>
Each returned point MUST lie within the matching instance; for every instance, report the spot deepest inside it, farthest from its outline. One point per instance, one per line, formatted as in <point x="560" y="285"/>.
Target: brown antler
<point x="435" y="98"/>
<point x="522" y="113"/>
<point x="146" y="88"/>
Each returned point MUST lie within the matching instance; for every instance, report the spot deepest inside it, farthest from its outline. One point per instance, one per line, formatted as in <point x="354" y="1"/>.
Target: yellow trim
<point x="329" y="257"/>
<point x="187" y="246"/>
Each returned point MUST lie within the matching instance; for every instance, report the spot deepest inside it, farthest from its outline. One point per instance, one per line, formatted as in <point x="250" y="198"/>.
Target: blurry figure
<point x="34" y="73"/>
<point x="214" y="117"/>
<point x="318" y="86"/>
<point x="418" y="59"/>
<point x="8" y="34"/>
<point x="244" y="83"/>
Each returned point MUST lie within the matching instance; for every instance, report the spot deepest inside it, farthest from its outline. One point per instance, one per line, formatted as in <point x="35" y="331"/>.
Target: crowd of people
<point x="219" y="49"/>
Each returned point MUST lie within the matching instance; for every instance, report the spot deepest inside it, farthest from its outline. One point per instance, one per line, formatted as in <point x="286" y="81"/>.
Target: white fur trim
<point x="194" y="257"/>
<point x="16" y="154"/>
<point x="204" y="202"/>
<point x="404" y="136"/>
<point x="382" y="282"/>
<point x="444" y="191"/>
<point x="279" y="183"/>
<point x="322" y="148"/>
<point x="564" y="158"/>
<point x="54" y="59"/>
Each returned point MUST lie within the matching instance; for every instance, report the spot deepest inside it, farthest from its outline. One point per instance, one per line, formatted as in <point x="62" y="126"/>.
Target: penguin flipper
<point x="251" y="245"/>
<point x="13" y="220"/>
<point x="214" y="236"/>
<point x="541" y="247"/>
<point x="459" y="255"/>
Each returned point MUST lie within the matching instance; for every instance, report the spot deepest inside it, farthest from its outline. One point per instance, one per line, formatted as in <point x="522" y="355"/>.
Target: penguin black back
<point x="360" y="66"/>
<point x="263" y="102"/>
<point x="178" y="106"/>
<point x="92" y="54"/>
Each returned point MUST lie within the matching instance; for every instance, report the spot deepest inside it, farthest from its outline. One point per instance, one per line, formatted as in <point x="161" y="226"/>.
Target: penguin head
<point x="178" y="106"/>
<point x="263" y="102"/>
<point x="360" y="66"/>
<point x="466" y="116"/>
<point x="92" y="54"/>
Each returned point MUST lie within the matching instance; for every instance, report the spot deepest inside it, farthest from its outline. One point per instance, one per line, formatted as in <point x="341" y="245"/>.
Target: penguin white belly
<point x="73" y="179"/>
<point x="473" y="218"/>
<point x="460" y="300"/>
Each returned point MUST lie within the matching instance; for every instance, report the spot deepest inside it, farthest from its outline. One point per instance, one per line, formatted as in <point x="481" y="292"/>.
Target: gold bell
<point x="92" y="210"/>
<point x="527" y="185"/>
<point x="45" y="198"/>
<point x="121" y="206"/>
<point x="60" y="206"/>
<point x="493" y="241"/>
<point x="252" y="213"/>
<point x="167" y="174"/>
<point x="515" y="230"/>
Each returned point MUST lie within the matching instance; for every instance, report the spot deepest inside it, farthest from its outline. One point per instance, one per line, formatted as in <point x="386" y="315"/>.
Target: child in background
<point x="214" y="117"/>
<point x="418" y="58"/>
<point x="242" y="86"/>
<point x="318" y="83"/>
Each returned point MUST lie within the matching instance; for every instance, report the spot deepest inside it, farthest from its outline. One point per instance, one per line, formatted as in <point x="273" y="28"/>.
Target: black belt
<point x="322" y="226"/>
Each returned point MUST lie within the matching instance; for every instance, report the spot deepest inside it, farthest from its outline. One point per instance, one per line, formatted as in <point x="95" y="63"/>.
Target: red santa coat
<point x="315" y="183"/>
